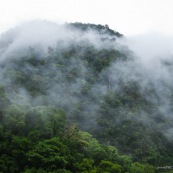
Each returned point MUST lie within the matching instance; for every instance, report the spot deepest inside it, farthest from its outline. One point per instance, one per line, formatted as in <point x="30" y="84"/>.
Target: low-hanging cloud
<point x="38" y="52"/>
<point x="152" y="70"/>
<point x="149" y="64"/>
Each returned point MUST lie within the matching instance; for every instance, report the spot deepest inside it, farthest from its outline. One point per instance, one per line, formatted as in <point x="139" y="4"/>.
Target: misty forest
<point x="74" y="98"/>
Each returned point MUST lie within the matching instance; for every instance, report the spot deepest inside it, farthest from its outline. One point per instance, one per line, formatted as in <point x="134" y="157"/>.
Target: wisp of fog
<point x="51" y="57"/>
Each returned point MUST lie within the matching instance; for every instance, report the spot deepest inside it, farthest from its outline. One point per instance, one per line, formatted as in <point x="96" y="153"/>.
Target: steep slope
<point x="102" y="86"/>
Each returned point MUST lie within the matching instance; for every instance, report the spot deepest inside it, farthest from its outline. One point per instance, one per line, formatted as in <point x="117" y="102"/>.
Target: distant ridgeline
<point x="101" y="29"/>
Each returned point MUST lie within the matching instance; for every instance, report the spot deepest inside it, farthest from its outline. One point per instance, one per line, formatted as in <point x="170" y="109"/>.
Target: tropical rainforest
<point x="75" y="99"/>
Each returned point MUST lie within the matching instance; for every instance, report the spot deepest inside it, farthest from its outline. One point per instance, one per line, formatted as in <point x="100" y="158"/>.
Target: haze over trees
<point x="75" y="98"/>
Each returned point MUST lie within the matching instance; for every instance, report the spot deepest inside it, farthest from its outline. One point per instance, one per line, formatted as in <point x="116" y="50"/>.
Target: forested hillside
<point x="73" y="98"/>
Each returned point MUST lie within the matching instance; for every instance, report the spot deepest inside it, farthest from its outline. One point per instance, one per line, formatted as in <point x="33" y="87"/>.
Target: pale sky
<point x="129" y="17"/>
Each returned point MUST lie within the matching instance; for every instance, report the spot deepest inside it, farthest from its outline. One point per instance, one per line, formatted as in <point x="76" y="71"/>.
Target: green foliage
<point x="32" y="148"/>
<point x="107" y="166"/>
<point x="137" y="168"/>
<point x="54" y="118"/>
<point x="50" y="155"/>
<point x="15" y="119"/>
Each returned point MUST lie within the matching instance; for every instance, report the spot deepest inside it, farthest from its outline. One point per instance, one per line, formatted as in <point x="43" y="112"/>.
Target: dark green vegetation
<point x="97" y="28"/>
<point x="39" y="139"/>
<point x="68" y="111"/>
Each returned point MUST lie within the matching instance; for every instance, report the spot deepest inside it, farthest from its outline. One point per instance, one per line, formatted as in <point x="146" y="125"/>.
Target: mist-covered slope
<point x="58" y="65"/>
<point x="103" y="87"/>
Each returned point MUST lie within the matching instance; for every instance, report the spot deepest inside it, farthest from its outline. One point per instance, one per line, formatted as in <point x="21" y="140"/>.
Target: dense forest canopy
<point x="73" y="98"/>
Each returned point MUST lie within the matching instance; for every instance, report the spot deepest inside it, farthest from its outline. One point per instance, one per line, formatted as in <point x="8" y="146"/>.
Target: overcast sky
<point x="129" y="17"/>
